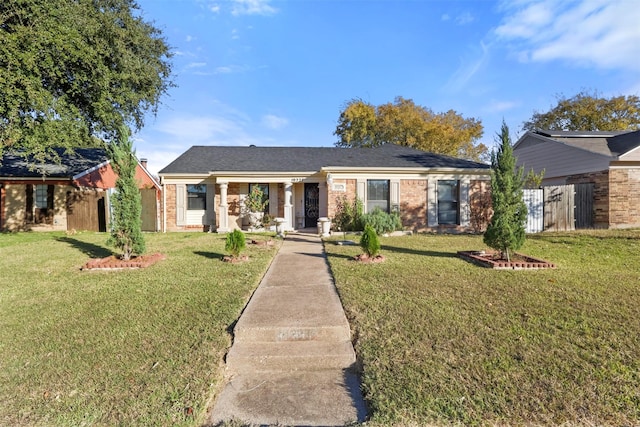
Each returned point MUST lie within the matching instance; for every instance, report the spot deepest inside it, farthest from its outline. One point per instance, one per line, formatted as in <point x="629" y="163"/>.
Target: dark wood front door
<point x="311" y="205"/>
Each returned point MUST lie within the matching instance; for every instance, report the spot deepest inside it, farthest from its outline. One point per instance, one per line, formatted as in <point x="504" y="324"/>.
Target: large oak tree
<point x="73" y="72"/>
<point x="589" y="112"/>
<point x="402" y="122"/>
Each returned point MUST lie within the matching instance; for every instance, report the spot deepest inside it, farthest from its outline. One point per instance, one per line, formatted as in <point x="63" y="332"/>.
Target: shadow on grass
<point x="418" y="252"/>
<point x="210" y="255"/>
<point x="89" y="249"/>
<point x="331" y="255"/>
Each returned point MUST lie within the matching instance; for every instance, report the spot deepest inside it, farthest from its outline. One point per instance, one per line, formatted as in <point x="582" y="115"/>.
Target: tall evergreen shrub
<point x="126" y="224"/>
<point x="369" y="242"/>
<point x="506" y="231"/>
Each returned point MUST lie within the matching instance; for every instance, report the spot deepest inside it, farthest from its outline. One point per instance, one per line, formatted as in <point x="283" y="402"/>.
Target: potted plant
<point x="254" y="205"/>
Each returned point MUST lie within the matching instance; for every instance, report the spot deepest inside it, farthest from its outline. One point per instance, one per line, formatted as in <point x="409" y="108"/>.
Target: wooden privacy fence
<point x="559" y="208"/>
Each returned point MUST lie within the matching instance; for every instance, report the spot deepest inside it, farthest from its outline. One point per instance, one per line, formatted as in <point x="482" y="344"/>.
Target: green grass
<point x="140" y="347"/>
<point x="445" y="342"/>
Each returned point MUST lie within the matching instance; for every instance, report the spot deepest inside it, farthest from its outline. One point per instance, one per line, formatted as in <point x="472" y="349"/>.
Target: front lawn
<point x="140" y="347"/>
<point x="446" y="342"/>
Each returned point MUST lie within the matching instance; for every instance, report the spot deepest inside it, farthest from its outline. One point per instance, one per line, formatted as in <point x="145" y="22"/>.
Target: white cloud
<point x="274" y="122"/>
<point x="445" y="17"/>
<point x="468" y="69"/>
<point x="214" y="7"/>
<point x="495" y="106"/>
<point x="597" y="33"/>
<point x="231" y="69"/>
<point x="464" y="18"/>
<point x="252" y="7"/>
<point x="196" y="65"/>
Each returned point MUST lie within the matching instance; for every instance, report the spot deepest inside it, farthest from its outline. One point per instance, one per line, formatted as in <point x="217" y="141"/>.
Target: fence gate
<point x="149" y="209"/>
<point x="86" y="210"/>
<point x="534" y="199"/>
<point x="584" y="205"/>
<point x="559" y="208"/>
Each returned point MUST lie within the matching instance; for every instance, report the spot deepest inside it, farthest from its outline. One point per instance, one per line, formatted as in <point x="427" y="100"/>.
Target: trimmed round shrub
<point x="382" y="221"/>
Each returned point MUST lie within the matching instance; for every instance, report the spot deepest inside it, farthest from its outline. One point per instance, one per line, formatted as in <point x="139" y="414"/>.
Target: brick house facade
<point x="304" y="184"/>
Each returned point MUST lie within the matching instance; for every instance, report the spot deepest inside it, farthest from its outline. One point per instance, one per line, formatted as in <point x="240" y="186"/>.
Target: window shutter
<point x="181" y="199"/>
<point x="50" y="198"/>
<point x="28" y="216"/>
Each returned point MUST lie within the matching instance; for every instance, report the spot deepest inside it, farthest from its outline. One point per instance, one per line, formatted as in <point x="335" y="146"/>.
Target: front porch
<point x="217" y="203"/>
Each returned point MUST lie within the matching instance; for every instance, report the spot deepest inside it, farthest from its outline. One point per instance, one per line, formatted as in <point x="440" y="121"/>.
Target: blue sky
<point x="277" y="73"/>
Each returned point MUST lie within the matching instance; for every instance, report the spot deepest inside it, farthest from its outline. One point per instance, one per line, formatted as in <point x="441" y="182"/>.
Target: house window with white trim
<point x="449" y="202"/>
<point x="196" y="197"/>
<point x="377" y="194"/>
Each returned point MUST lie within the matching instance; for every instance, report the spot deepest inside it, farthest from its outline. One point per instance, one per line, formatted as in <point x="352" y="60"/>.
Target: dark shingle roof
<point x="206" y="159"/>
<point x="613" y="144"/>
<point x="69" y="165"/>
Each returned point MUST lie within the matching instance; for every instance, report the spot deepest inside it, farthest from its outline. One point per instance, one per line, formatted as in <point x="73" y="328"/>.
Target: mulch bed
<point x="235" y="260"/>
<point x="492" y="259"/>
<point x="366" y="259"/>
<point x="115" y="263"/>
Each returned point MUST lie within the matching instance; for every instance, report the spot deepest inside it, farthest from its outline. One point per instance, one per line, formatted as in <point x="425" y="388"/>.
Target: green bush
<point x="235" y="243"/>
<point x="348" y="214"/>
<point x="382" y="222"/>
<point x="369" y="241"/>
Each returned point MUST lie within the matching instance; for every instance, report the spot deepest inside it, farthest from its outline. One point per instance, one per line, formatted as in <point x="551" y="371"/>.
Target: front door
<point x="311" y="205"/>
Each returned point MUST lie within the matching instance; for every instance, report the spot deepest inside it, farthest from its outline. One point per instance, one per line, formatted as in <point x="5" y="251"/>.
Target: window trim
<point x="197" y="195"/>
<point x="456" y="201"/>
<point x="377" y="202"/>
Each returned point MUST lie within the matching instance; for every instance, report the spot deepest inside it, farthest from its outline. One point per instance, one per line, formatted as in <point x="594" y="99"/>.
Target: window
<point x="377" y="194"/>
<point x="41" y="196"/>
<point x="448" y="202"/>
<point x="265" y="194"/>
<point x="196" y="197"/>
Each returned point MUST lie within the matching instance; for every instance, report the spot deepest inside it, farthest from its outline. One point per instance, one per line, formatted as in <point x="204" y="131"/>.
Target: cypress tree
<point x="506" y="231"/>
<point x="126" y="226"/>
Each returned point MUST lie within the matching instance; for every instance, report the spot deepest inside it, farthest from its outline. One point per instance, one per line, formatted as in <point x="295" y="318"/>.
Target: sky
<point x="278" y="73"/>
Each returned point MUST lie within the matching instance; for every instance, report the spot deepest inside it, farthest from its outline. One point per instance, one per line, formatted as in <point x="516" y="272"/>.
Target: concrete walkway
<point x="292" y="362"/>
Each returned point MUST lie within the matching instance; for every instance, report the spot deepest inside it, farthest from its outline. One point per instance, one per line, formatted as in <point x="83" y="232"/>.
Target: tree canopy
<point x="589" y="112"/>
<point x="74" y="72"/>
<point x="402" y="122"/>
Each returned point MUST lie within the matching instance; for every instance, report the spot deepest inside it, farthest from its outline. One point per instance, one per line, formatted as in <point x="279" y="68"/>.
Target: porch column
<point x="288" y="207"/>
<point x="223" y="226"/>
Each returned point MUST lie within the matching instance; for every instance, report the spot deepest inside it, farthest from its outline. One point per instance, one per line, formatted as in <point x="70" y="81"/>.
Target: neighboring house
<point x="205" y="187"/>
<point x="69" y="194"/>
<point x="609" y="161"/>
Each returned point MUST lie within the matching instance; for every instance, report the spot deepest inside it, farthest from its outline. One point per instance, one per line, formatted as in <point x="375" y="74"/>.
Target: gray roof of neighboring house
<point x="207" y="159"/>
<point x="69" y="165"/>
<point x="611" y="144"/>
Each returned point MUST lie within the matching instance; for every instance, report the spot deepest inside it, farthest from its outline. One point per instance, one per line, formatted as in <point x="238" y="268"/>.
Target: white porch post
<point x="223" y="227"/>
<point x="288" y="207"/>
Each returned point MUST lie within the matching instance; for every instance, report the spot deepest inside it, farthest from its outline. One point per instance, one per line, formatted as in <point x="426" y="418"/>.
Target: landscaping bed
<point x="492" y="259"/>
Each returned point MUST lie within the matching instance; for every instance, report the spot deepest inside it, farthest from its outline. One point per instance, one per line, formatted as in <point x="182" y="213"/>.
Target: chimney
<point x="143" y="162"/>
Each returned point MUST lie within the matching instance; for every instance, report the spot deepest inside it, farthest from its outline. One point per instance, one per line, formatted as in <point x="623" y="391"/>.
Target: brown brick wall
<point x="624" y="198"/>
<point x="334" y="196"/>
<point x="413" y="203"/>
<point x="170" y="208"/>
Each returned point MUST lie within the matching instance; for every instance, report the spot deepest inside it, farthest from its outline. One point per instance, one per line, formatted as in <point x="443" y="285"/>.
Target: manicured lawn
<point x="138" y="347"/>
<point x="446" y="342"/>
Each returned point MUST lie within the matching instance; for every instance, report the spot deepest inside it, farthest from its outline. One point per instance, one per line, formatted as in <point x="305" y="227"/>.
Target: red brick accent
<point x="413" y="203"/>
<point x="480" y="205"/>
